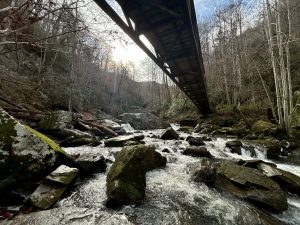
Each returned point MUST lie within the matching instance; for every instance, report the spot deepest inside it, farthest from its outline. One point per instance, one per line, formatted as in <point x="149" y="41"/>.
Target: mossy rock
<point x="57" y="120"/>
<point x="53" y="187"/>
<point x="271" y="147"/>
<point x="126" y="179"/>
<point x="22" y="145"/>
<point x="265" y="128"/>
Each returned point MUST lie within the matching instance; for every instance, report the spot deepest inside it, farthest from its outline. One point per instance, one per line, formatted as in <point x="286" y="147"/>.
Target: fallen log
<point x="100" y="127"/>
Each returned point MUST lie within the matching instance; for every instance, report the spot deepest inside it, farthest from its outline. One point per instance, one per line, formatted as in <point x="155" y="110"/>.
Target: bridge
<point x="171" y="28"/>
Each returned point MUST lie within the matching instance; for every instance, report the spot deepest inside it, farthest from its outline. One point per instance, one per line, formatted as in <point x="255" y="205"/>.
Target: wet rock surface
<point x="272" y="147"/>
<point x="126" y="180"/>
<point x="53" y="187"/>
<point x="286" y="180"/>
<point x="196" y="141"/>
<point x="169" y="134"/>
<point x="235" y="146"/>
<point x="89" y="162"/>
<point x="197" y="152"/>
<point x="243" y="182"/>
<point x="124" y="140"/>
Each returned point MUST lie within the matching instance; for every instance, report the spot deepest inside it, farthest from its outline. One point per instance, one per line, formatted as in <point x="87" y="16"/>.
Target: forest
<point x="93" y="131"/>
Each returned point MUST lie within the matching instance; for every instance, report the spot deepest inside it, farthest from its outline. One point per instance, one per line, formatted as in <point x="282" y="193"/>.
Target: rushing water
<point x="171" y="198"/>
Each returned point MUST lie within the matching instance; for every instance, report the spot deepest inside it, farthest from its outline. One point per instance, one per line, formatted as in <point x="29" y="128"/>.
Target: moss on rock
<point x="21" y="145"/>
<point x="126" y="180"/>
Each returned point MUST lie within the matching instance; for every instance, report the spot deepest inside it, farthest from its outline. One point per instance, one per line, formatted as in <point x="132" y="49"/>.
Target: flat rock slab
<point x="288" y="181"/>
<point x="246" y="183"/>
<point x="53" y="187"/>
<point x="69" y="216"/>
<point x="121" y="141"/>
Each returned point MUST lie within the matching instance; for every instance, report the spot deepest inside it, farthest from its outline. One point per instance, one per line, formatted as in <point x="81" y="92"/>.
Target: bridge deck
<point x="171" y="28"/>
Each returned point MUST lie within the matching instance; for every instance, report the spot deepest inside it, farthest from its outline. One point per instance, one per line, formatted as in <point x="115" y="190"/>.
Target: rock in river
<point x="243" y="182"/>
<point x="126" y="179"/>
<point x="169" y="134"/>
<point x="235" y="146"/>
<point x="272" y="147"/>
<point x="196" y="141"/>
<point x="53" y="187"/>
<point x="124" y="140"/>
<point x="197" y="152"/>
<point x="288" y="181"/>
<point x="89" y="162"/>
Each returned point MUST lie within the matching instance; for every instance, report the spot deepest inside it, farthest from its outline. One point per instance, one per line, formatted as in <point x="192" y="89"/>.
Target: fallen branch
<point x="100" y="127"/>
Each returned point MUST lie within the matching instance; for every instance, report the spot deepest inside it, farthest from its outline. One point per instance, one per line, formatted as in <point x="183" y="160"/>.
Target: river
<point x="171" y="198"/>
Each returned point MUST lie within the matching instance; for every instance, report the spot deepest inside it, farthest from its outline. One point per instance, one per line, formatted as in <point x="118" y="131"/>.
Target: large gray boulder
<point x="20" y="145"/>
<point x="126" y="179"/>
<point x="58" y="120"/>
<point x="143" y="121"/>
<point x="243" y="182"/>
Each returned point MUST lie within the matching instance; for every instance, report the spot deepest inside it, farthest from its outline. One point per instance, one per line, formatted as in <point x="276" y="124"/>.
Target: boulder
<point x="235" y="146"/>
<point x="126" y="179"/>
<point x="165" y="150"/>
<point x="20" y="145"/>
<point x="288" y="181"/>
<point x="124" y="140"/>
<point x="243" y="182"/>
<point x="196" y="141"/>
<point x="88" y="162"/>
<point x="197" y="152"/>
<point x="53" y="187"/>
<point x="58" y="120"/>
<point x="271" y="147"/>
<point x="267" y="128"/>
<point x="169" y="134"/>
<point x="143" y="121"/>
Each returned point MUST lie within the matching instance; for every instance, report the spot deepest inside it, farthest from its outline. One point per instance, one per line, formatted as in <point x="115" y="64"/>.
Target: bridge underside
<point x="171" y="28"/>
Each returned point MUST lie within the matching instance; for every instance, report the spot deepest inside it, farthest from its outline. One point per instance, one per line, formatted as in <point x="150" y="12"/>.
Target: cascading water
<point x="171" y="198"/>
